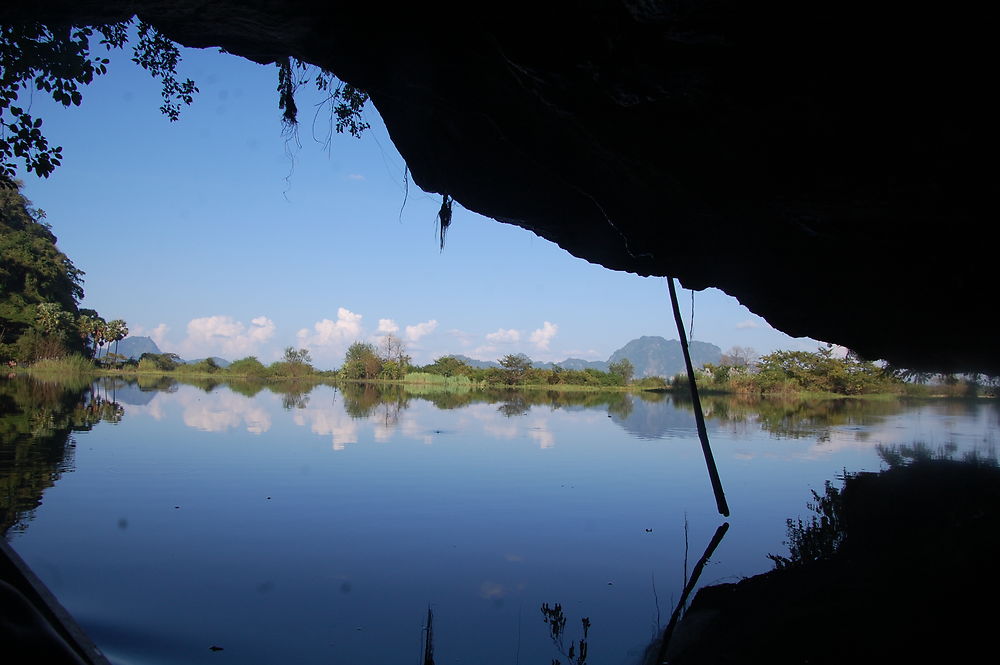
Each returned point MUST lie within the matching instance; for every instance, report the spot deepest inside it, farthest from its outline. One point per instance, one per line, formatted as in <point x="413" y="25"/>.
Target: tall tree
<point x="300" y="356"/>
<point x="739" y="356"/>
<point x="361" y="362"/>
<point x="33" y="272"/>
<point x="623" y="369"/>
<point x="117" y="331"/>
<point x="100" y="334"/>
<point x="448" y="366"/>
<point x="515" y="367"/>
<point x="392" y="352"/>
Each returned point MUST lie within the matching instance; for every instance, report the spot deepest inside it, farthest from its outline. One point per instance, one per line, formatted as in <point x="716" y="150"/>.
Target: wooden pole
<point x="699" y="417"/>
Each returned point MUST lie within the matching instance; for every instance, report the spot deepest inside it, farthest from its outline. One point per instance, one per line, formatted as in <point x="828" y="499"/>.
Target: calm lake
<point x="319" y="525"/>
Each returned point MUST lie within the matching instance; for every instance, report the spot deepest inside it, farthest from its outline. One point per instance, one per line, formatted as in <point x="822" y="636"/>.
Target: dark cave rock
<point x="823" y="164"/>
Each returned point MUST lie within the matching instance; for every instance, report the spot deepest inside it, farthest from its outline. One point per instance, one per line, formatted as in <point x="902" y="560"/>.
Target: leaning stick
<point x="699" y="417"/>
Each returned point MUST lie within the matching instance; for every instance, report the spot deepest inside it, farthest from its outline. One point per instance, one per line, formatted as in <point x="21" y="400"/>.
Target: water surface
<point x="314" y="524"/>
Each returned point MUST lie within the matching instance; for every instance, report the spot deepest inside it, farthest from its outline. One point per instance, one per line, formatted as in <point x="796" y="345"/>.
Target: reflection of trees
<point x="794" y="418"/>
<point x="896" y="456"/>
<point x="206" y="384"/>
<point x="157" y="383"/>
<point x="621" y="405"/>
<point x="292" y="400"/>
<point x="653" y="395"/>
<point x="246" y="387"/>
<point x="294" y="394"/>
<point x="36" y="419"/>
<point x="514" y="405"/>
<point x="555" y="619"/>
<point x="524" y="398"/>
<point x="362" y="399"/>
<point x="891" y="567"/>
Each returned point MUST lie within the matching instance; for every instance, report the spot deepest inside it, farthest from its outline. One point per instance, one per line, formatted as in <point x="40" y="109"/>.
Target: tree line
<point x="388" y="361"/>
<point x="823" y="371"/>
<point x="40" y="320"/>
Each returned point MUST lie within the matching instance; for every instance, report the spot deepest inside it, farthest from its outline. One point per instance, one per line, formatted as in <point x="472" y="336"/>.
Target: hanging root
<point x="286" y="95"/>
<point x="406" y="190"/>
<point x="444" y="217"/>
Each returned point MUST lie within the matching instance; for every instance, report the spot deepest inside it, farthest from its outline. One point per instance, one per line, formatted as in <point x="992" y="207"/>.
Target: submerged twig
<point x="429" y="639"/>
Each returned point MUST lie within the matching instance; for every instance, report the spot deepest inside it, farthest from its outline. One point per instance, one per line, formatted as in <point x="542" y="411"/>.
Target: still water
<point x="318" y="525"/>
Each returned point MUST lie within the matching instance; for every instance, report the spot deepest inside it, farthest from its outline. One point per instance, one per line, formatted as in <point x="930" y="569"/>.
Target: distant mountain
<point x="650" y="356"/>
<point x="132" y="394"/>
<point x="657" y="419"/>
<point x="655" y="356"/>
<point x="132" y="347"/>
<point x="472" y="362"/>
<point x="578" y="364"/>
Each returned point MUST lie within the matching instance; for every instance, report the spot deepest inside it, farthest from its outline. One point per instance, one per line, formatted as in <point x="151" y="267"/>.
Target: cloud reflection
<point x="329" y="421"/>
<point x="219" y="411"/>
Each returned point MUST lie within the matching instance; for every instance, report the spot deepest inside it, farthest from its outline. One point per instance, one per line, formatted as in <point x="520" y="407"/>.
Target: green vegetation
<point x="457" y="382"/>
<point x="36" y="59"/>
<point x="782" y="373"/>
<point x="248" y="367"/>
<point x="39" y="287"/>
<point x="73" y="365"/>
<point x="59" y="60"/>
<point x="516" y="370"/>
<point x="40" y="291"/>
<point x="798" y="372"/>
<point x="623" y="369"/>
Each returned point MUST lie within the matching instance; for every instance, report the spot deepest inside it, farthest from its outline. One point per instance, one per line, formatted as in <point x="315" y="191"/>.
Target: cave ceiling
<point x="820" y="162"/>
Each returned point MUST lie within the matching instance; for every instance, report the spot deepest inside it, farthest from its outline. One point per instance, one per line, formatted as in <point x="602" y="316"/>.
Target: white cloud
<point x="223" y="335"/>
<point x="485" y="352"/>
<point x="414" y="333"/>
<point x="749" y="323"/>
<point x="387" y="326"/>
<point x="541" y="337"/>
<point x="341" y="332"/>
<point x="464" y="338"/>
<point x="159" y="334"/>
<point x="355" y="176"/>
<point x="504" y="336"/>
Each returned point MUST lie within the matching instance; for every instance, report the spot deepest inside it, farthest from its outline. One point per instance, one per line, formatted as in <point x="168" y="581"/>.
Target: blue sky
<point x="216" y="235"/>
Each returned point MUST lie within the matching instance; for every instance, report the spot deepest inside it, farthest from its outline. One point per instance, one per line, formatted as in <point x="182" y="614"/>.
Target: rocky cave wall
<point x="821" y="163"/>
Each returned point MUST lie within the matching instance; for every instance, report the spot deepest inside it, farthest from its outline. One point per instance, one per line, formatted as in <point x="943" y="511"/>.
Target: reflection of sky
<point x="240" y="512"/>
<point x="216" y="411"/>
<point x="329" y="421"/>
<point x="933" y="424"/>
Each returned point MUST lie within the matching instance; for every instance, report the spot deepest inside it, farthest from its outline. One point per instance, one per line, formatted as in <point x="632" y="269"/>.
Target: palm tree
<point x="101" y="333"/>
<point x="117" y="331"/>
<point x="85" y="326"/>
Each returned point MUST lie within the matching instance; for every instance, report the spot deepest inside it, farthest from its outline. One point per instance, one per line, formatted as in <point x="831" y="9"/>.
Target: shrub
<point x="74" y="364"/>
<point x="655" y="382"/>
<point x="248" y="366"/>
